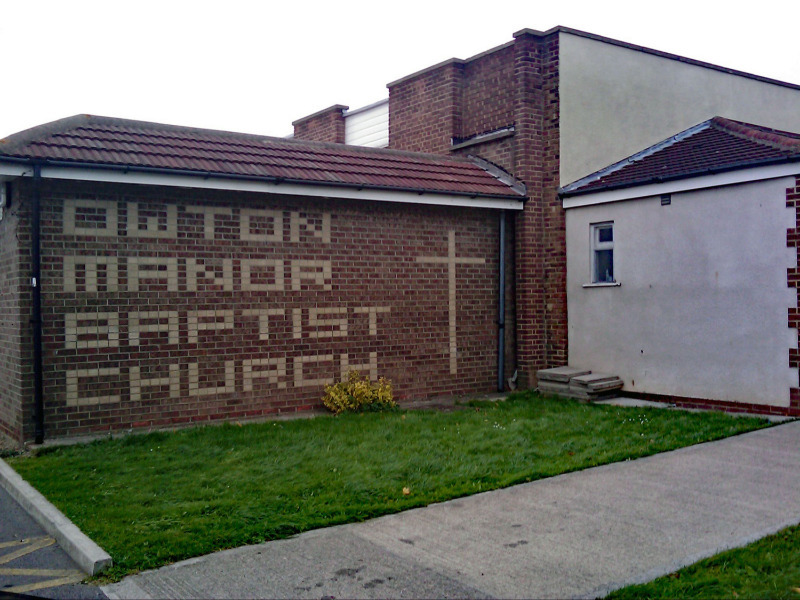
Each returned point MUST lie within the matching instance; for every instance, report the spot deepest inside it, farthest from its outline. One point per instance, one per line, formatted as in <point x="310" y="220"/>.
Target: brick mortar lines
<point x="363" y="247"/>
<point x="723" y="405"/>
<point x="793" y="240"/>
<point x="16" y="350"/>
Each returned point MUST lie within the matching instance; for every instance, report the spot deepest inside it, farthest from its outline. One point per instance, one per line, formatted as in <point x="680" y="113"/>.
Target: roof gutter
<point x="257" y="178"/>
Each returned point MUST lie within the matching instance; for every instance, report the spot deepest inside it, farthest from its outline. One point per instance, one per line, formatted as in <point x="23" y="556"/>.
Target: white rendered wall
<point x="702" y="306"/>
<point x="616" y="101"/>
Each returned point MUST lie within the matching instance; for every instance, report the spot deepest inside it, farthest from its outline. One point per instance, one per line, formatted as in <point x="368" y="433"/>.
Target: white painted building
<point x="603" y="100"/>
<point x="677" y="263"/>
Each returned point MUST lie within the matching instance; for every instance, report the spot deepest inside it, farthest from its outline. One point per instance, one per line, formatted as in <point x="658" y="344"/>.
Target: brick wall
<point x="512" y="90"/>
<point x="425" y="109"/>
<point x="722" y="405"/>
<point x="530" y="251"/>
<point x="554" y="225"/>
<point x="164" y="306"/>
<point x="793" y="278"/>
<point x="488" y="92"/>
<point x="326" y="125"/>
<point x="455" y="100"/>
<point x="15" y="349"/>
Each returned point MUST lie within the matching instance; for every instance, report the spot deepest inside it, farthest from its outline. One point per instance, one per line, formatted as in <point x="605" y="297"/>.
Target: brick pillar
<point x="324" y="126"/>
<point x="16" y="371"/>
<point x="793" y="280"/>
<point x="554" y="217"/>
<point x="540" y="242"/>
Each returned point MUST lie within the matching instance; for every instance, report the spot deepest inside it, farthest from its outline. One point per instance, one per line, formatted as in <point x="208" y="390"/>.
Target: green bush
<point x="358" y="394"/>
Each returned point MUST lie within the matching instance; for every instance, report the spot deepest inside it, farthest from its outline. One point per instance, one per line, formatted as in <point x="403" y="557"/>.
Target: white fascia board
<point x="11" y="170"/>
<point x="684" y="185"/>
<point x="289" y="189"/>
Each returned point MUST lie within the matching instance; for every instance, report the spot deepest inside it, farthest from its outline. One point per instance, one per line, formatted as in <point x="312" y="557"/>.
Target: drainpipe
<point x="501" y="307"/>
<point x="36" y="317"/>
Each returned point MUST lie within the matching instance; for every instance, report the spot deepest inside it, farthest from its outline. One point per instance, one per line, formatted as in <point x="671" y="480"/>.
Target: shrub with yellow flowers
<point x="357" y="393"/>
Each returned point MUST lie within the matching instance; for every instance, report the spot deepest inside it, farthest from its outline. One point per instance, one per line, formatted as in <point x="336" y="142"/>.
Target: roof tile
<point x="87" y="140"/>
<point x="718" y="144"/>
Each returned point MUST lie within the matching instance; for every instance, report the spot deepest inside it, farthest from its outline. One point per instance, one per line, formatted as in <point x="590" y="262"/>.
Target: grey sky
<point x="256" y="66"/>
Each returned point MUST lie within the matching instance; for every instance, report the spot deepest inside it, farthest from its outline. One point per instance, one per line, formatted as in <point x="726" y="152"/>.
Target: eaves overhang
<point x="702" y="179"/>
<point x="11" y="167"/>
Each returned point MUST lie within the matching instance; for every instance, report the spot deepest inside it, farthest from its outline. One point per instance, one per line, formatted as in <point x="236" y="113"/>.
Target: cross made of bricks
<point x="451" y="260"/>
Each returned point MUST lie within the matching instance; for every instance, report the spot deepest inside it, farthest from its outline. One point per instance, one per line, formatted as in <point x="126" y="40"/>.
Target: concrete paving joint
<point x="87" y="555"/>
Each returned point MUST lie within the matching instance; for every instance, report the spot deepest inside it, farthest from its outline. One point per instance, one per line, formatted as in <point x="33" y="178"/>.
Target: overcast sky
<point x="257" y="66"/>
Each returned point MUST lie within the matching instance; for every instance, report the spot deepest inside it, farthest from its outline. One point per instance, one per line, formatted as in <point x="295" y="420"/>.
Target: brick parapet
<point x="327" y="125"/>
<point x="455" y="99"/>
<point x="488" y="92"/>
<point x="425" y="109"/>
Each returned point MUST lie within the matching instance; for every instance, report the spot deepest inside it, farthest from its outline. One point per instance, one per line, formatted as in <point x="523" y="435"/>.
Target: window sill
<point x="602" y="285"/>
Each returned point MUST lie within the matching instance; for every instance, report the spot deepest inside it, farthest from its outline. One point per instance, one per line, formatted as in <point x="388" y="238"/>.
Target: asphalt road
<point x="31" y="562"/>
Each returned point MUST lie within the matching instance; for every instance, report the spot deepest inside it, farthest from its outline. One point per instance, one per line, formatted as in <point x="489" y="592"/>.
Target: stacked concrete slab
<point x="556" y="381"/>
<point x="580" y="384"/>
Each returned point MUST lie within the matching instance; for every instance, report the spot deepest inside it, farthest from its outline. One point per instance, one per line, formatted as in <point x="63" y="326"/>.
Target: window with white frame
<point x="603" y="252"/>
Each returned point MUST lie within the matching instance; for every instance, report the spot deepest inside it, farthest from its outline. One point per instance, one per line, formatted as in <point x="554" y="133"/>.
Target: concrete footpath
<point x="576" y="535"/>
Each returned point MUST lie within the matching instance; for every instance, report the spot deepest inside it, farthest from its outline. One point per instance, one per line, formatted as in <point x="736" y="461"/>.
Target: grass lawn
<point x="157" y="498"/>
<point x="768" y="568"/>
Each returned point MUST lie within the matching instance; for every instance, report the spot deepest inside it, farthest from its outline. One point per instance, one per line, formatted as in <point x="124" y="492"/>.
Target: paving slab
<point x="586" y="380"/>
<point x="578" y="535"/>
<point x="549" y="387"/>
<point x="561" y="374"/>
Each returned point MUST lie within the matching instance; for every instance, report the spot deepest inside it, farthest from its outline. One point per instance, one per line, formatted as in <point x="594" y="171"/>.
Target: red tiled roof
<point x="715" y="145"/>
<point x="103" y="142"/>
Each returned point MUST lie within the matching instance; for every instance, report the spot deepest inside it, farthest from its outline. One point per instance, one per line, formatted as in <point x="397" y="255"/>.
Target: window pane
<point x="603" y="266"/>
<point x="605" y="234"/>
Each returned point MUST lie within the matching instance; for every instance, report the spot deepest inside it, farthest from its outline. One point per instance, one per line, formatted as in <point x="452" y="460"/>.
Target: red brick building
<point x="155" y="275"/>
<point x="159" y="275"/>
<point x="550" y="107"/>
